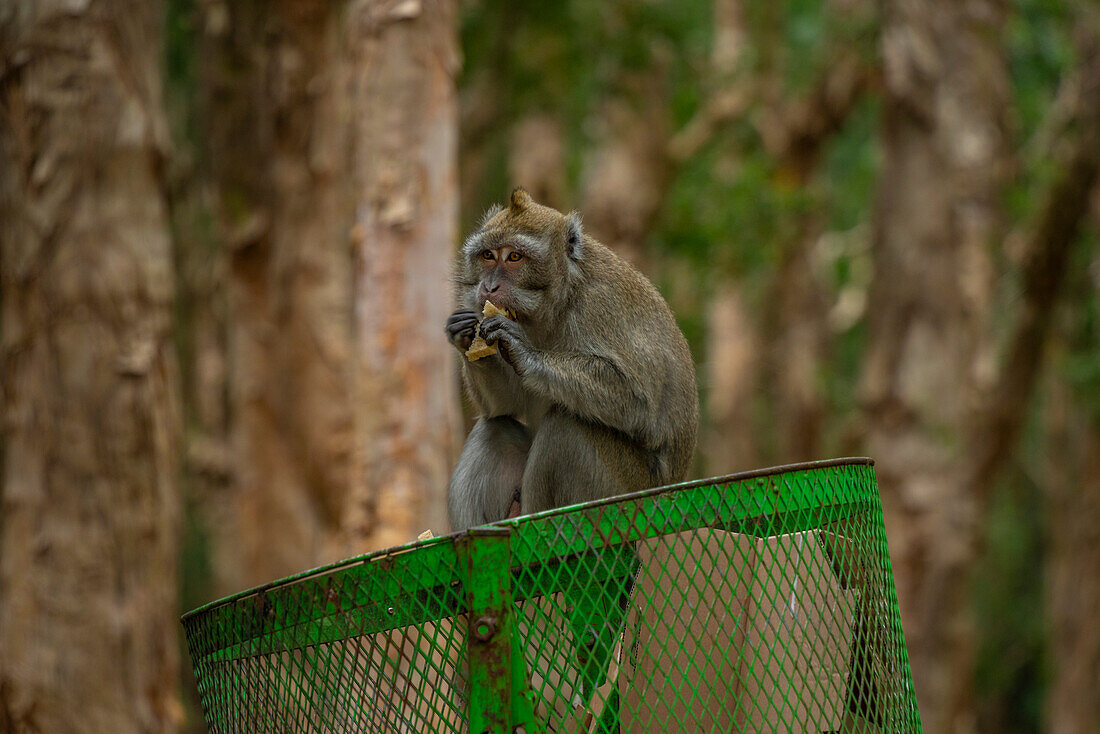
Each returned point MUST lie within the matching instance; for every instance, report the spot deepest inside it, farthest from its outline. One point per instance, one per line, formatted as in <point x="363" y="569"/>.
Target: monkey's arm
<point x="595" y="387"/>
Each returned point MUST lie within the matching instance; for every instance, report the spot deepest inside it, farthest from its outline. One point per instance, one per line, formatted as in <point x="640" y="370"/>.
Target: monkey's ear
<point x="520" y="199"/>
<point x="574" y="237"/>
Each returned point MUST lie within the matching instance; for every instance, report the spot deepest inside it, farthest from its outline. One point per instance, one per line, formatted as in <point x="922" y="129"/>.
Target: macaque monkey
<point x="591" y="391"/>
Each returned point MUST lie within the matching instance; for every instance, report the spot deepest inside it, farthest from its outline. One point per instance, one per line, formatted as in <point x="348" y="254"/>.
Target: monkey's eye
<point x="514" y="257"/>
<point x="486" y="254"/>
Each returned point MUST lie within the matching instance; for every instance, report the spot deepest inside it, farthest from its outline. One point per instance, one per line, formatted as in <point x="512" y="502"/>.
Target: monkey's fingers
<point x="506" y="335"/>
<point x="464" y="316"/>
<point x="463" y="341"/>
<point x="461" y="327"/>
<point x="495" y="327"/>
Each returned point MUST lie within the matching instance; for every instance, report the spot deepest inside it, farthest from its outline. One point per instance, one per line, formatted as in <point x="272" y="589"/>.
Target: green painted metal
<point x="486" y="561"/>
<point x="761" y="601"/>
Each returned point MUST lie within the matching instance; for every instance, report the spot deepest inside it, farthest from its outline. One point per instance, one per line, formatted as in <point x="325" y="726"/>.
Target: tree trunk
<point x="800" y="347"/>
<point x="88" y="543"/>
<point x="1073" y="570"/>
<point x="278" y="133"/>
<point x="405" y="176"/>
<point x="627" y="171"/>
<point x="732" y="369"/>
<point x="937" y="212"/>
<point x="332" y="129"/>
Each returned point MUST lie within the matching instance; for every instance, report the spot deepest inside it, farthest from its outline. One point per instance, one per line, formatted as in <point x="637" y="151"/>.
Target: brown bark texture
<point x="88" y="521"/>
<point x="1072" y="591"/>
<point x="992" y="429"/>
<point x="627" y="171"/>
<point x="275" y="128"/>
<point x="405" y="178"/>
<point x="937" y="212"/>
<point x="730" y="377"/>
<point x="333" y="129"/>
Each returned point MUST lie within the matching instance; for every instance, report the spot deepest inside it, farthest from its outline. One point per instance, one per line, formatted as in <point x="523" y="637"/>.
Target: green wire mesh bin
<point x="756" y="602"/>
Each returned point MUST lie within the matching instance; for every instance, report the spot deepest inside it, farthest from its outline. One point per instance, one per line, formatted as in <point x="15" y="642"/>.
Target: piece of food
<point x="479" y="347"/>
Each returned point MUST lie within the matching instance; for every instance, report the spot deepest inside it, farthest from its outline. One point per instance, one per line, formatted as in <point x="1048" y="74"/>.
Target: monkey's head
<point x="523" y="257"/>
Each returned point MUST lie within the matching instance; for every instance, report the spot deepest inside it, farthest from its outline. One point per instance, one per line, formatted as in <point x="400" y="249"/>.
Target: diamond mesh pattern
<point x="756" y="602"/>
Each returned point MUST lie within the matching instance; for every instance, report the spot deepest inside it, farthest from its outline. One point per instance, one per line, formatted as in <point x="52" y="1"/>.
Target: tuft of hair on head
<point x="489" y="214"/>
<point x="520" y="200"/>
<point x="574" y="237"/>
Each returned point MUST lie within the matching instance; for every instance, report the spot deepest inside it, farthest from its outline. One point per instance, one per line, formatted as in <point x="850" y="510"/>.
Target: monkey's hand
<point x="461" y="327"/>
<point x="510" y="339"/>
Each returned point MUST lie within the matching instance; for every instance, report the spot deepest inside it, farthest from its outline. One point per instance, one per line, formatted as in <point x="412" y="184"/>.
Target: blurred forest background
<point x="226" y="227"/>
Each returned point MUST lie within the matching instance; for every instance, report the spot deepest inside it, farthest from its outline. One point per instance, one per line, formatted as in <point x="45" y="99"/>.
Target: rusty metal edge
<point x="378" y="555"/>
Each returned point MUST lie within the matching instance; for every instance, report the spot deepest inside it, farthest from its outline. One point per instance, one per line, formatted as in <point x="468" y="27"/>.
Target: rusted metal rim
<point x="375" y="556"/>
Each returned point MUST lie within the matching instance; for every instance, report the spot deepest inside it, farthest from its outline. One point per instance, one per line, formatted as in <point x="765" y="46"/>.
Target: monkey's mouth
<point x="503" y="304"/>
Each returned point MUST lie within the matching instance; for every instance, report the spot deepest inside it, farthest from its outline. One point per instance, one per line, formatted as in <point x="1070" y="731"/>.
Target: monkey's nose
<point x="492" y="289"/>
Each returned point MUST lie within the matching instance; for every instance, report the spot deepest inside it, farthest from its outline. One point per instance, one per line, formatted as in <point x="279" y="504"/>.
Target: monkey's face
<point x="510" y="268"/>
<point x="519" y="258"/>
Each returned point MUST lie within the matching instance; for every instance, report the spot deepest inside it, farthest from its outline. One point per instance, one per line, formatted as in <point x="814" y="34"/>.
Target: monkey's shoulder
<point x="618" y="298"/>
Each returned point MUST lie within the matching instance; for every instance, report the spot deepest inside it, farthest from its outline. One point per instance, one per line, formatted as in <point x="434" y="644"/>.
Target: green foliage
<point x="564" y="59"/>
<point x="1040" y="57"/>
<point x="1008" y="604"/>
<point x="849" y="168"/>
<point x="180" y="73"/>
<point x="1080" y="321"/>
<point x="733" y="222"/>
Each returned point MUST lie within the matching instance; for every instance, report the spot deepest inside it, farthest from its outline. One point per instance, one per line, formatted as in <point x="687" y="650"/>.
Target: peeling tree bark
<point x="88" y="521"/>
<point x="406" y="215"/>
<point x="333" y="131"/>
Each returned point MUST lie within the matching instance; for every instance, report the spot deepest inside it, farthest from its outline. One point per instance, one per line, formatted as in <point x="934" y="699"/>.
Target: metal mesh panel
<point x="756" y="602"/>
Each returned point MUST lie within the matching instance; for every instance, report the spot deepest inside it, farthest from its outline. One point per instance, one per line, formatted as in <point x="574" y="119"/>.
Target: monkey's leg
<point x="573" y="460"/>
<point x="488" y="472"/>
